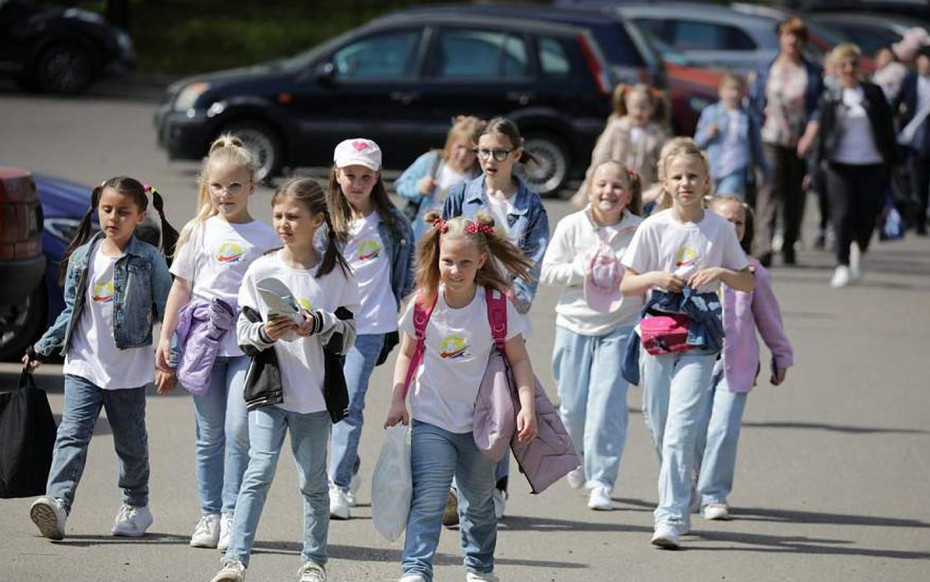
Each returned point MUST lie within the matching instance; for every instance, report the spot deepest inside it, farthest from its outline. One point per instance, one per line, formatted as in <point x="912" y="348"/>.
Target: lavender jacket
<point x="201" y="327"/>
<point x="742" y="314"/>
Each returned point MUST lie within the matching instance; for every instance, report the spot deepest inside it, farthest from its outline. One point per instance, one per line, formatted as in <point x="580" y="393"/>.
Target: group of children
<point x="350" y="259"/>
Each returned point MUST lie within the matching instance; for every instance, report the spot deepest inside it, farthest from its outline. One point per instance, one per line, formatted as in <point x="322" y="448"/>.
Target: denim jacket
<point x="527" y="223"/>
<point x="401" y="253"/>
<point x="407" y="185"/>
<point x="749" y="134"/>
<point x="141" y="283"/>
<point x="758" y="99"/>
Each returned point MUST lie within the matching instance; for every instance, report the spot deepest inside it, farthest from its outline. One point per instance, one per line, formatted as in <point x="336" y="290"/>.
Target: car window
<point x="698" y="35"/>
<point x="869" y="38"/>
<point x="468" y="53"/>
<point x="552" y="58"/>
<point x="390" y="55"/>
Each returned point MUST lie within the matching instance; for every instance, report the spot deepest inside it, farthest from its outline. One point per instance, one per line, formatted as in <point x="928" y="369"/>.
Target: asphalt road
<point x="832" y="480"/>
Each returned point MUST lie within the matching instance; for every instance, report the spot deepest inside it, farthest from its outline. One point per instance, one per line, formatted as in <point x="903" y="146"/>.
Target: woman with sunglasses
<point x="499" y="192"/>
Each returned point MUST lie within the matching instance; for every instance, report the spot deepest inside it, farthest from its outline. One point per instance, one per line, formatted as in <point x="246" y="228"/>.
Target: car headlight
<point x="188" y="96"/>
<point x="65" y="229"/>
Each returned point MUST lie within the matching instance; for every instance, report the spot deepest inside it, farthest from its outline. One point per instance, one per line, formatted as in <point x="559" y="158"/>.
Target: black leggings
<point x="855" y="200"/>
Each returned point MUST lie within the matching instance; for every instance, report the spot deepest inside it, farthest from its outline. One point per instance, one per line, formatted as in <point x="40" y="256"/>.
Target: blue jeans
<point x="436" y="456"/>
<point x="222" y="436"/>
<point x="717" y="440"/>
<point x="359" y="364"/>
<point x="733" y="184"/>
<point x="593" y="398"/>
<point x="126" y="415"/>
<point x="676" y="388"/>
<point x="309" y="438"/>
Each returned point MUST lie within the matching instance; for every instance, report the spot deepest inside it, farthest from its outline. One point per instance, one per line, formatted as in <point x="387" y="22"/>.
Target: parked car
<point x="916" y="9"/>
<point x="60" y="50"/>
<point x="870" y="31"/>
<point x="399" y="80"/>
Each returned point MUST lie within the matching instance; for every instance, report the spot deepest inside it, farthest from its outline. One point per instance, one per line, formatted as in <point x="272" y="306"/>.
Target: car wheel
<point x="65" y="68"/>
<point x="23" y="324"/>
<point x="550" y="171"/>
<point x="264" y="144"/>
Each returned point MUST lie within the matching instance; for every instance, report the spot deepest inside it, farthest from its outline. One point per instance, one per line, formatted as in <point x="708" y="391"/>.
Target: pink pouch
<point x="664" y="334"/>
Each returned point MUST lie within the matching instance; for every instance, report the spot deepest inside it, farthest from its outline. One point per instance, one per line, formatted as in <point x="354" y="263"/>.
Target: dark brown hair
<point x="309" y="192"/>
<point x="139" y="193"/>
<point x="496" y="245"/>
<point x="341" y="212"/>
<point x="508" y="129"/>
<point x="793" y="25"/>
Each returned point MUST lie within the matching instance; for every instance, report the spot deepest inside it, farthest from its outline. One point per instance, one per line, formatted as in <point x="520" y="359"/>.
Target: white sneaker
<point x="338" y="503"/>
<point x="666" y="536"/>
<point x="576" y="478"/>
<point x="49" y="515"/>
<point x="354" y="484"/>
<point x="232" y="571"/>
<point x="841" y="277"/>
<point x="311" y="572"/>
<point x="856" y="263"/>
<point x="477" y="577"/>
<point x="132" y="521"/>
<point x="226" y="526"/>
<point x="717" y="511"/>
<point x="500" y="502"/>
<point x="600" y="500"/>
<point x="207" y="531"/>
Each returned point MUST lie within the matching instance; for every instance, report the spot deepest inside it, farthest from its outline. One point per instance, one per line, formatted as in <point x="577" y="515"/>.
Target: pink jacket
<point x="742" y="314"/>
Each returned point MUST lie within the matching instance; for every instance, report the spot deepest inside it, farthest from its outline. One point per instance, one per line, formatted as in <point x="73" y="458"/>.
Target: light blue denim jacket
<point x="527" y="223"/>
<point x="407" y="185"/>
<point x="141" y="282"/>
<point x="401" y="252"/>
<point x="749" y="134"/>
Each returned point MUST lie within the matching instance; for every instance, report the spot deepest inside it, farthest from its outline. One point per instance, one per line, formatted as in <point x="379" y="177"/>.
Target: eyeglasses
<point x="232" y="188"/>
<point x="499" y="155"/>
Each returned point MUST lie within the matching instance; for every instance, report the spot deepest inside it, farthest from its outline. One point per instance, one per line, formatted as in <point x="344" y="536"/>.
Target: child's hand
<point x="778" y="377"/>
<point x="712" y="130"/>
<point x="526" y="425"/>
<point x="165" y="382"/>
<point x="31" y="363"/>
<point x="305" y="329"/>
<point x="163" y="356"/>
<point x="398" y="413"/>
<point x="704" y="277"/>
<point x="668" y="281"/>
<point x="276" y="328"/>
<point x="426" y="186"/>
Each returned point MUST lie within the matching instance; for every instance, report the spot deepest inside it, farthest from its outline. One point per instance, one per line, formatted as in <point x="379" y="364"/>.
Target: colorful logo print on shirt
<point x="453" y="348"/>
<point x="305" y="303"/>
<point x="368" y="250"/>
<point x="230" y="253"/>
<point x="685" y="257"/>
<point x="103" y="292"/>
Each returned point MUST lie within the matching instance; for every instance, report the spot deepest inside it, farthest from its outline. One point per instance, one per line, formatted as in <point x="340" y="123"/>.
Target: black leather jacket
<point x="880" y="117"/>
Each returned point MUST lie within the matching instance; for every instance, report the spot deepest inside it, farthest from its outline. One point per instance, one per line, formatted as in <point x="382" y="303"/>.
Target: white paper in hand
<point x="280" y="302"/>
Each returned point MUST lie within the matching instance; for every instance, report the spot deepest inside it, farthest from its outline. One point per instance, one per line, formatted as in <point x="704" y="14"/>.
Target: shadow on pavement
<point x="797" y="545"/>
<point x="83" y="541"/>
<point x="794" y="516"/>
<point x="542" y="524"/>
<point x="835" y="427"/>
<point x="53" y="382"/>
<point x="342" y="552"/>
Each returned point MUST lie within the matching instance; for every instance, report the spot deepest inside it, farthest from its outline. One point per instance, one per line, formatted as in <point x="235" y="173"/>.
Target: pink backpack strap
<point x="421" y="315"/>
<point x="497" y="317"/>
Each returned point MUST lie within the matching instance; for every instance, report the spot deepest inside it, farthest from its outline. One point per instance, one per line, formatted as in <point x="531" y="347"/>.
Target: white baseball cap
<point x="358" y="152"/>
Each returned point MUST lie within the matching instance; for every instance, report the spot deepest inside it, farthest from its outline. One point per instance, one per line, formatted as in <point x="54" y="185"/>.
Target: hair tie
<point x="477" y="227"/>
<point x="441" y="225"/>
<point x="147" y="188"/>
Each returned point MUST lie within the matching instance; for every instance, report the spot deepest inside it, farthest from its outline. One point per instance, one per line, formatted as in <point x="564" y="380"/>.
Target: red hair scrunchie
<point x="476" y="228"/>
<point x="441" y="225"/>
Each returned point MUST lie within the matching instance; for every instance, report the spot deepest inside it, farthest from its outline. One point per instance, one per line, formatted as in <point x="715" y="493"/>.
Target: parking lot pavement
<point x="831" y="481"/>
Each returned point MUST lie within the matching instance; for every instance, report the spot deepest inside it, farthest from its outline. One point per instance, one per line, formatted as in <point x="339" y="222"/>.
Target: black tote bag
<point x="27" y="437"/>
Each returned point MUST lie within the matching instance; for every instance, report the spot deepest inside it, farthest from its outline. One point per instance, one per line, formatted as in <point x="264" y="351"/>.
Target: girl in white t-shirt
<point x="115" y="288"/>
<point x="323" y="285"/>
<point x="456" y="261"/>
<point x="377" y="242"/>
<point x="679" y="253"/>
<point x="593" y="323"/>
<point x="214" y="251"/>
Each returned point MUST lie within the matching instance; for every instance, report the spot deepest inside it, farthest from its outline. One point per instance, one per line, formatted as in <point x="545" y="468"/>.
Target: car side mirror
<point x="324" y="73"/>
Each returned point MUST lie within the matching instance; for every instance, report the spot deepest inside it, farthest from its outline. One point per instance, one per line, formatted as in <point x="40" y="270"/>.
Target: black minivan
<point x="399" y="80"/>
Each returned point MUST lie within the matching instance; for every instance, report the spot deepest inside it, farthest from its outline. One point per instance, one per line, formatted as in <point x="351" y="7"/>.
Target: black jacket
<point x="880" y="118"/>
<point x="908" y="98"/>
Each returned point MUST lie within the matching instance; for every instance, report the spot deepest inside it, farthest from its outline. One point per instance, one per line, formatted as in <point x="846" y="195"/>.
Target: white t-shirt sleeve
<point x="733" y="255"/>
<point x="516" y="322"/>
<point x="184" y="264"/>
<point x="406" y="320"/>
<point x="247" y="294"/>
<point x="640" y="256"/>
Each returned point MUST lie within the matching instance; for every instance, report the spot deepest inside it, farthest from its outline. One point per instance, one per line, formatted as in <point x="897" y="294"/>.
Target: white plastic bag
<point x="392" y="484"/>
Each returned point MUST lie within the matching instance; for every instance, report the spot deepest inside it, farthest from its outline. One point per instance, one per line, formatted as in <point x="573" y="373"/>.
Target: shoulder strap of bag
<point x="497" y="317"/>
<point x="421" y="316"/>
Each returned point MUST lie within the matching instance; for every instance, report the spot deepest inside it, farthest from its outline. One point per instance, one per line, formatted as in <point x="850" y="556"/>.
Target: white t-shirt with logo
<point x="366" y="253"/>
<point x="93" y="354"/>
<point x="216" y="257"/>
<point x="301" y="360"/>
<point x="458" y="345"/>
<point x="663" y="243"/>
<point x="500" y="208"/>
